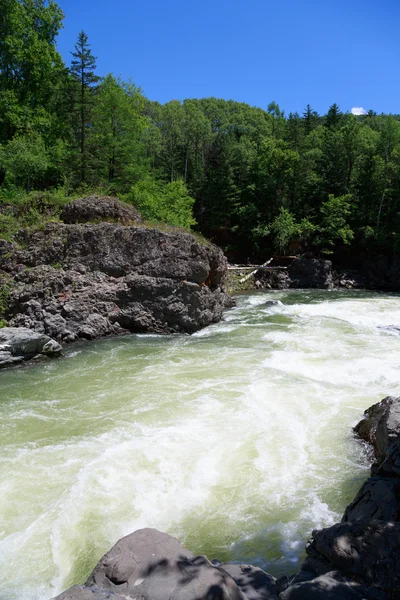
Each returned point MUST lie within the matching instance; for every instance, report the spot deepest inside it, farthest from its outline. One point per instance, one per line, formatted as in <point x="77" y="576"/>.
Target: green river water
<point x="237" y="439"/>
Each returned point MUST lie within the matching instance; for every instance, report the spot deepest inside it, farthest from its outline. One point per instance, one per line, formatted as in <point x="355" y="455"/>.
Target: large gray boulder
<point x="92" y="280"/>
<point x="150" y="565"/>
<point x="19" y="343"/>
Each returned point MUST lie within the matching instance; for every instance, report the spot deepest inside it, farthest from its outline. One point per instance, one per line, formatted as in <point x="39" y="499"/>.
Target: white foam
<point x="232" y="439"/>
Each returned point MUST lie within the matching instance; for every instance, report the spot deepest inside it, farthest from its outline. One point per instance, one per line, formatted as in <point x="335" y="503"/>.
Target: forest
<point x="254" y="181"/>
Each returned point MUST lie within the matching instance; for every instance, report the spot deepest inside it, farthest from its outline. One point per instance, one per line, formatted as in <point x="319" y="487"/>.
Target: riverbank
<point x="301" y="272"/>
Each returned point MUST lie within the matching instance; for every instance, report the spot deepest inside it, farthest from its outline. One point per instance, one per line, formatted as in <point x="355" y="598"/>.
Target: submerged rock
<point x="271" y="303"/>
<point x="18" y="344"/>
<point x="92" y="280"/>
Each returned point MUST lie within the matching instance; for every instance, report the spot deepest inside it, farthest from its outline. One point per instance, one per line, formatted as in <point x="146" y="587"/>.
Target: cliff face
<point x="74" y="281"/>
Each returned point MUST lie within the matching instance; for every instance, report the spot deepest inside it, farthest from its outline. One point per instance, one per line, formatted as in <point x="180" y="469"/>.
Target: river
<point x="237" y="439"/>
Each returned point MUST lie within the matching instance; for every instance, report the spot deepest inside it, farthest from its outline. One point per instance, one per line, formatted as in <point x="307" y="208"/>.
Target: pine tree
<point x="333" y="117"/>
<point x="83" y="75"/>
<point x="310" y="119"/>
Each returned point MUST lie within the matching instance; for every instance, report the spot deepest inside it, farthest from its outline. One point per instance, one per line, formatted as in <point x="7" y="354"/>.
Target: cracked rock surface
<point x="85" y="281"/>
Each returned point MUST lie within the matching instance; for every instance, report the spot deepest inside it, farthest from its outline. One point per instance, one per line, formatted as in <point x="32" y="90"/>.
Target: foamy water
<point x="237" y="439"/>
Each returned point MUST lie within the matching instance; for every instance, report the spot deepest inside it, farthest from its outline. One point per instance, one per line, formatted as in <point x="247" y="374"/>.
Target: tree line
<point x="255" y="181"/>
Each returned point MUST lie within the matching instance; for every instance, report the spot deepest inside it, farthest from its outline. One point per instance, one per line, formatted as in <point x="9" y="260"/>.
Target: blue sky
<point x="293" y="51"/>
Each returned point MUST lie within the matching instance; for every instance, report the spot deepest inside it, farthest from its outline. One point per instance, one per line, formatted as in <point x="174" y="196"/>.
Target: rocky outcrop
<point x="99" y="208"/>
<point x="150" y="565"/>
<point x="301" y="272"/>
<point x="365" y="547"/>
<point x="18" y="344"/>
<point x="73" y="281"/>
<point x="357" y="559"/>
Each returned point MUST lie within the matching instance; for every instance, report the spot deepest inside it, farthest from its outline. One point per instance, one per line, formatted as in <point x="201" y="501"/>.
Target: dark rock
<point x="88" y="281"/>
<point x="255" y="583"/>
<point x="310" y="273"/>
<point x="272" y="279"/>
<point x="378" y="498"/>
<point x="368" y="552"/>
<point x="349" y="279"/>
<point x="381" y="427"/>
<point x="302" y="272"/>
<point x="78" y="592"/>
<point x="150" y="565"/>
<point x="331" y="586"/>
<point x="271" y="303"/>
<point x="99" y="208"/>
<point x="18" y="344"/>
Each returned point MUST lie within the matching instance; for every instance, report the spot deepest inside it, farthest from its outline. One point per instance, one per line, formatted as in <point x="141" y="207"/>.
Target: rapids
<point x="237" y="439"/>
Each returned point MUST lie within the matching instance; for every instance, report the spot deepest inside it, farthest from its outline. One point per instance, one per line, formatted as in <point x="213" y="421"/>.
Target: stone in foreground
<point x="18" y="344"/>
<point x="150" y="565"/>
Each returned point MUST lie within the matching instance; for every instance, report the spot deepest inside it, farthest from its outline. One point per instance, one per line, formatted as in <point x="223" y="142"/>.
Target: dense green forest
<point x="255" y="181"/>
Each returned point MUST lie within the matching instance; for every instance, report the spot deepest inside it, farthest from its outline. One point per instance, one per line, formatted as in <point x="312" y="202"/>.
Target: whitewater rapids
<point x="237" y="440"/>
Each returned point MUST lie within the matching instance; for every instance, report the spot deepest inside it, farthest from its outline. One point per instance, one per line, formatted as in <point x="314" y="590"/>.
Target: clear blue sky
<point x="293" y="51"/>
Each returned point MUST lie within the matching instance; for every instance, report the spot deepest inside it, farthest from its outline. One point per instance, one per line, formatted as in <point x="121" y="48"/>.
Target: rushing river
<point x="237" y="439"/>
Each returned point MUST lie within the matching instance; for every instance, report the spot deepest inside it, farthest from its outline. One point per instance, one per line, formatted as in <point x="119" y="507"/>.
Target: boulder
<point x="19" y="343"/>
<point x="310" y="273"/>
<point x="331" y="586"/>
<point x="255" y="583"/>
<point x="99" y="208"/>
<point x="380" y="428"/>
<point x="87" y="281"/>
<point x="271" y="303"/>
<point x="150" y="565"/>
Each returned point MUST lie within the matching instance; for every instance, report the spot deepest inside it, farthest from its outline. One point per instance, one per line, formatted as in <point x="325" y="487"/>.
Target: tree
<point x="117" y="125"/>
<point x="284" y="227"/>
<point x="84" y="80"/>
<point x="310" y="119"/>
<point x="169" y="203"/>
<point x="30" y="66"/>
<point x="334" y="227"/>
<point x="25" y="160"/>
<point x="333" y="117"/>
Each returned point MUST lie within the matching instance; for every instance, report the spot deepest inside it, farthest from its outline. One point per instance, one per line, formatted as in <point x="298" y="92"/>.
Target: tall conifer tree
<point x="82" y="69"/>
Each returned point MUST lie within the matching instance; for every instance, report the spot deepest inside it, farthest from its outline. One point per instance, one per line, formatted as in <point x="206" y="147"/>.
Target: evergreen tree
<point x="333" y="117"/>
<point x="310" y="119"/>
<point x="84" y="79"/>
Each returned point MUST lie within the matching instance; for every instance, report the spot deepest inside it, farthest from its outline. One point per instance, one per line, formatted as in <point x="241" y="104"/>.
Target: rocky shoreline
<point x="356" y="559"/>
<point x="297" y="272"/>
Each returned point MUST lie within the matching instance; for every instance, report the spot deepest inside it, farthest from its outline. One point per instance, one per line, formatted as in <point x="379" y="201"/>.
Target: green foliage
<point x="20" y="210"/>
<point x="334" y="225"/>
<point x="248" y="178"/>
<point x="117" y="129"/>
<point x="25" y="160"/>
<point x="284" y="228"/>
<point x="5" y="292"/>
<point x="30" y="66"/>
<point x="157" y="201"/>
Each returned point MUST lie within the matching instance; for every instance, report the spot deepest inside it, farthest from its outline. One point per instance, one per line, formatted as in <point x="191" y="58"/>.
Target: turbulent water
<point x="237" y="439"/>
